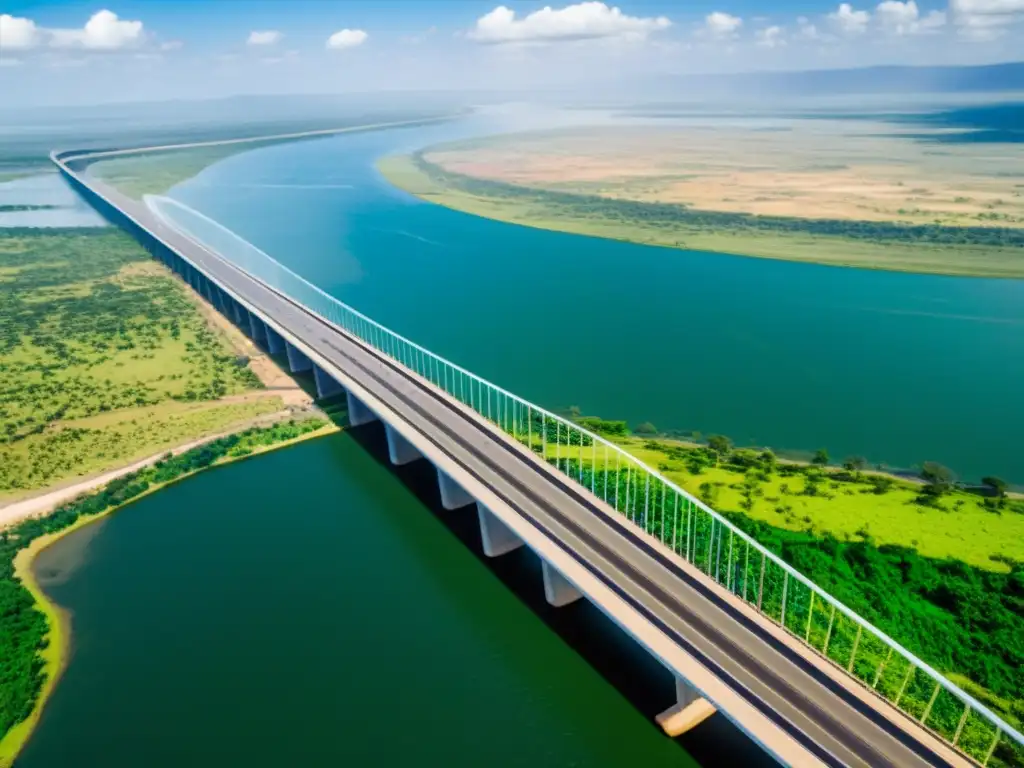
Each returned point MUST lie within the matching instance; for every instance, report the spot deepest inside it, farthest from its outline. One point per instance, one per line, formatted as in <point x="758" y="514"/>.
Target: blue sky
<point x="68" y="51"/>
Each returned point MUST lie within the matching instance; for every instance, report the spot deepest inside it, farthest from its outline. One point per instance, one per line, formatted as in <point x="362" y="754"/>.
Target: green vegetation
<point x="100" y="350"/>
<point x="25" y="207"/>
<point x="981" y="251"/>
<point x="155" y="173"/>
<point x="963" y="618"/>
<point x="24" y="629"/>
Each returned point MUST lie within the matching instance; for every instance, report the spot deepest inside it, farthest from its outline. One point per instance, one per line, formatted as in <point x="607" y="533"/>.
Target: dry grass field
<point x="816" y="169"/>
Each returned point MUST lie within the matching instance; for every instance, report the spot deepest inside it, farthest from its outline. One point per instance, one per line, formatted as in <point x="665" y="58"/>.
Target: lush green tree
<point x="937" y="475"/>
<point x="645" y="428"/>
<point x="997" y="485"/>
<point x="820" y="457"/>
<point x="720" y="444"/>
<point x="855" y="464"/>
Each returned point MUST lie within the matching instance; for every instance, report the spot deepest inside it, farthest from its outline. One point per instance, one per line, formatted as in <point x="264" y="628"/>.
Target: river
<point x="899" y="368"/>
<point x="305" y="608"/>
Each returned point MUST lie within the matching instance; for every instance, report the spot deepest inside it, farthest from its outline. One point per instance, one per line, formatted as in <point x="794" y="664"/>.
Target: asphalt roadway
<point x="815" y="706"/>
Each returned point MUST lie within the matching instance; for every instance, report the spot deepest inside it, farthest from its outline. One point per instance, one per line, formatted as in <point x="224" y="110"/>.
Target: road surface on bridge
<point x="816" y="714"/>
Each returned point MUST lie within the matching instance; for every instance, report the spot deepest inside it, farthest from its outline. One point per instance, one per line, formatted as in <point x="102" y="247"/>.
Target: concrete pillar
<point x="275" y="341"/>
<point x="453" y="495"/>
<point x="496" y="537"/>
<point x="557" y="589"/>
<point x="297" y="361"/>
<point x="400" y="450"/>
<point x="240" y="313"/>
<point x="257" y="329"/>
<point x="357" y="412"/>
<point x="690" y="710"/>
<point x="325" y="385"/>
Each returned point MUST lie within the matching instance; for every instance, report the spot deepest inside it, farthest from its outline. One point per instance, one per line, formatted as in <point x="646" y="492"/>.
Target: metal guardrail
<point x="659" y="507"/>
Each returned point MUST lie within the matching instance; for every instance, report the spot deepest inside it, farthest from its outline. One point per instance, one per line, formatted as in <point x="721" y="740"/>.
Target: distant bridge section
<point x="743" y="633"/>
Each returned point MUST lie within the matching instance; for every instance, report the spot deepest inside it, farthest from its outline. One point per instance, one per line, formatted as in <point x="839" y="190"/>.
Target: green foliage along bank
<point x="23" y="628"/>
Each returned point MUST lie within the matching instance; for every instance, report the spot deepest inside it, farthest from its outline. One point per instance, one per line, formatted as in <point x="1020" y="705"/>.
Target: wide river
<point x="304" y="608"/>
<point x="899" y="368"/>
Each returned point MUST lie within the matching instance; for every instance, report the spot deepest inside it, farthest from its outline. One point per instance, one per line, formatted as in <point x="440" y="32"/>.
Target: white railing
<point x="659" y="507"/>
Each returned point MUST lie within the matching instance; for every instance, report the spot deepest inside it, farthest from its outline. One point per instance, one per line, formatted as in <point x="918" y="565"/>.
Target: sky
<point x="69" y="52"/>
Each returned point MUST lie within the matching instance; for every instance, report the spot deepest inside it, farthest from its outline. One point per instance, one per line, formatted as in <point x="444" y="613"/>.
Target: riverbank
<point x="50" y="648"/>
<point x="882" y="246"/>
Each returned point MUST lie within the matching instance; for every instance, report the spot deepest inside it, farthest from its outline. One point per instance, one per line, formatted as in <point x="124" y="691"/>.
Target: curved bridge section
<point x="741" y="631"/>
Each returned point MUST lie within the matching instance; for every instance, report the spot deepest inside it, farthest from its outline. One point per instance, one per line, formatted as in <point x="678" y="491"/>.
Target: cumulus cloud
<point x="346" y="38"/>
<point x="806" y="30"/>
<point x="104" y="31"/>
<point x="171" y="45"/>
<point x="721" y="25"/>
<point x="582" y="21"/>
<point x="985" y="19"/>
<point x="849" y="21"/>
<point x="770" y="37"/>
<point x="266" y="37"/>
<point x="904" y="18"/>
<point x="17" y="34"/>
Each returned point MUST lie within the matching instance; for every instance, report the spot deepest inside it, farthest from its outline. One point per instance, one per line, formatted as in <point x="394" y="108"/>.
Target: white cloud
<point x="770" y="37"/>
<point x="104" y="31"/>
<point x="347" y="38"/>
<point x="904" y="18"/>
<point x="171" y="45"/>
<point x="582" y="21"/>
<point x="805" y="30"/>
<point x="722" y="25"/>
<point x="266" y="37"/>
<point x="10" y="62"/>
<point x="849" y="21"/>
<point x="985" y="19"/>
<point x="17" y="34"/>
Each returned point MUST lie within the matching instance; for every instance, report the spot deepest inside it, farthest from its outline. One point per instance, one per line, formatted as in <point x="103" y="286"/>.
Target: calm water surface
<point x="304" y="608"/>
<point x="896" y="367"/>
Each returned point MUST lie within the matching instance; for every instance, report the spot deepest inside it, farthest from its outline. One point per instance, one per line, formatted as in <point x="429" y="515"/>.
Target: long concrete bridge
<point x="742" y="632"/>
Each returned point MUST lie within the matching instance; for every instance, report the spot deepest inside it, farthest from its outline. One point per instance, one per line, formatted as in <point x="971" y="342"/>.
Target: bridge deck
<point x="815" y="715"/>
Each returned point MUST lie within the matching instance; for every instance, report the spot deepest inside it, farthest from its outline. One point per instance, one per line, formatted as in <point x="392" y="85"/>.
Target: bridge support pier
<point x="496" y="537"/>
<point x="239" y="312"/>
<point x="358" y="414"/>
<point x="297" y="361"/>
<point x="453" y="495"/>
<point x="325" y="385"/>
<point x="275" y="341"/>
<point x="558" y="590"/>
<point x="400" y="450"/>
<point x="690" y="710"/>
<point x="257" y="329"/>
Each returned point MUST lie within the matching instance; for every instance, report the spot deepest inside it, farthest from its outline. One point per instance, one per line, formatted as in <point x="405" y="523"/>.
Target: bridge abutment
<point x="453" y="495"/>
<point x="558" y="590"/>
<point x="297" y="361"/>
<point x="358" y="413"/>
<point x="325" y="385"/>
<point x="496" y="537"/>
<point x="400" y="450"/>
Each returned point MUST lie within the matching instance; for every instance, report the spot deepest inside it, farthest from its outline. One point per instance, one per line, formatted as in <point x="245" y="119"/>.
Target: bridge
<point x="743" y="633"/>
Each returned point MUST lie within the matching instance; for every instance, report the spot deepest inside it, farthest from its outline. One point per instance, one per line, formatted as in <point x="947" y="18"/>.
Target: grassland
<point x="104" y="358"/>
<point x="843" y="505"/>
<point x="154" y="174"/>
<point x="588" y="193"/>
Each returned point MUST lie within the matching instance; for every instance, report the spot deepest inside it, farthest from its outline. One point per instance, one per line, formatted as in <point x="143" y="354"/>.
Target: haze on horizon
<point x="52" y="53"/>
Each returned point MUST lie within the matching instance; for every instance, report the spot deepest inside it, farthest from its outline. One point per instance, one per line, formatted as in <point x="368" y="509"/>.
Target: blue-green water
<point x="304" y="609"/>
<point x="897" y="367"/>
